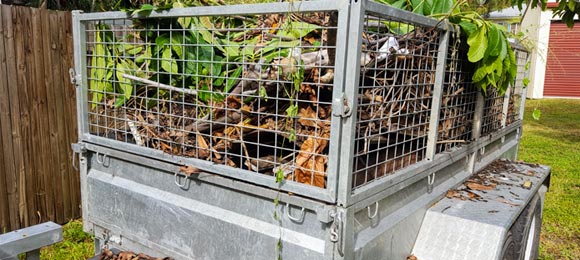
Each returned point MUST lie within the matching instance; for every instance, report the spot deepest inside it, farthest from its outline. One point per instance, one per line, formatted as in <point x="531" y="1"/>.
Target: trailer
<point x="298" y="130"/>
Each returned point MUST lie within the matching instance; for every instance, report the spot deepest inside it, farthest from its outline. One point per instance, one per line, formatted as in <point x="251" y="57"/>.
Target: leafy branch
<point x="489" y="47"/>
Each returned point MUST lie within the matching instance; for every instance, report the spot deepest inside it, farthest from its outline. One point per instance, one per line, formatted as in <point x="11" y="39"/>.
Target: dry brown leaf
<point x="203" y="148"/>
<point x="477" y="186"/>
<point x="452" y="194"/>
<point x="412" y="257"/>
<point x="307" y="117"/>
<point x="472" y="195"/>
<point x="189" y="170"/>
<point x="502" y="200"/>
<point x="310" y="165"/>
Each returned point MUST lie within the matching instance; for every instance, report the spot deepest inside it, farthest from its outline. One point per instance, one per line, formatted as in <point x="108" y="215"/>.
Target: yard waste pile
<point x="256" y="91"/>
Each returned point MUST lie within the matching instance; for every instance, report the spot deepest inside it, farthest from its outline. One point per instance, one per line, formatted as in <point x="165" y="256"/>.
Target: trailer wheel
<point x="508" y="251"/>
<point x="526" y="230"/>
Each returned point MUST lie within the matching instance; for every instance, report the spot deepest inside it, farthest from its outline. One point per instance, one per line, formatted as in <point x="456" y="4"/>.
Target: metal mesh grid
<point x="397" y="77"/>
<point x="458" y="99"/>
<point x="492" y="112"/>
<point x="515" y="100"/>
<point x="251" y="92"/>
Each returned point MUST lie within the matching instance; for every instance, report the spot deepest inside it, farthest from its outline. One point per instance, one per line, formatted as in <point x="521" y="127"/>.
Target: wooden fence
<point x="37" y="118"/>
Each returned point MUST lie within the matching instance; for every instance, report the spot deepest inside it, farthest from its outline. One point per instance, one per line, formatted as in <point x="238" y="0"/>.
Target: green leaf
<point x="417" y="6"/>
<point x="168" y="63"/>
<point x="398" y="4"/>
<point x="292" y="110"/>
<point x="399" y="28"/>
<point x="279" y="175"/>
<point x="124" y="84"/>
<point x="536" y="114"/>
<point x="477" y="44"/>
<point x="441" y="6"/>
<point x="120" y="101"/>
<point x="468" y="28"/>
<point x="292" y="136"/>
<point x="263" y="94"/>
<point x="494" y="44"/>
<point x="233" y="79"/>
<point x="144" y="10"/>
<point x="526" y="82"/>
<point x="185" y="22"/>
<point x="296" y="30"/>
<point x="572" y="5"/>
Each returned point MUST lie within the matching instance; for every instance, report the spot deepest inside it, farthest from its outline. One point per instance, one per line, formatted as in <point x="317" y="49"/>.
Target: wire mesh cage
<point x="250" y="93"/>
<point x="515" y="100"/>
<point x="493" y="113"/>
<point x="247" y="91"/>
<point x="458" y="99"/>
<point x="395" y="92"/>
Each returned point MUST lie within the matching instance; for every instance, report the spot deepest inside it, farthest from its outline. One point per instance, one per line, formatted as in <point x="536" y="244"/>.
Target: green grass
<point x="554" y="140"/>
<point x="76" y="245"/>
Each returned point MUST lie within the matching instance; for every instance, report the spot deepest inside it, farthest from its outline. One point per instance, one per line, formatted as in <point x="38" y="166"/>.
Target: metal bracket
<point x="101" y="158"/>
<point x="482" y="150"/>
<point x="77" y="150"/>
<point x="430" y="182"/>
<point x="503" y="139"/>
<point x="341" y="107"/>
<point x="74" y="78"/>
<point x="336" y="230"/>
<point x="295" y="219"/>
<point x="373" y="215"/>
<point x="178" y="183"/>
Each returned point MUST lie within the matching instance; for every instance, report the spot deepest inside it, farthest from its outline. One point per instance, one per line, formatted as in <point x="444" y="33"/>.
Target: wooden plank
<point x="29" y="136"/>
<point x="13" y="173"/>
<point x="71" y="123"/>
<point x="63" y="144"/>
<point x="51" y="168"/>
<point x="41" y="111"/>
<point x="57" y="122"/>
<point x="5" y="126"/>
<point x="22" y="97"/>
<point x="4" y="214"/>
<point x="31" y="157"/>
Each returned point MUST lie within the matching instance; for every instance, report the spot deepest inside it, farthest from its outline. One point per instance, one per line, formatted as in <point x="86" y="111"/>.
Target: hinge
<point x="341" y="107"/>
<point x="336" y="231"/>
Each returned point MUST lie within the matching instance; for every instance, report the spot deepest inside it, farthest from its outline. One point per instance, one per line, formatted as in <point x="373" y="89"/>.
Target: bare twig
<point x="160" y="85"/>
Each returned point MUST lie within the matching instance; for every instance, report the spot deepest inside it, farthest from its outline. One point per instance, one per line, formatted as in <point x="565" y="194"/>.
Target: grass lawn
<point x="555" y="140"/>
<point x="77" y="245"/>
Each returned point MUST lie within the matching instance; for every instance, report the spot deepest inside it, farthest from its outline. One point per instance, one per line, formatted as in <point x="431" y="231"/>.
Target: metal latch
<point x="341" y="107"/>
<point x="75" y="79"/>
<point x="336" y="231"/>
<point x="77" y="150"/>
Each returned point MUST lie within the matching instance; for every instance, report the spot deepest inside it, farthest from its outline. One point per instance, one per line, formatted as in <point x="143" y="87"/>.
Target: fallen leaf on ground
<point x="477" y="186"/>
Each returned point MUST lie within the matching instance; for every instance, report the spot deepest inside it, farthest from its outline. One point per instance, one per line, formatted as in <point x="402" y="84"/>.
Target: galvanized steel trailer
<point x="378" y="193"/>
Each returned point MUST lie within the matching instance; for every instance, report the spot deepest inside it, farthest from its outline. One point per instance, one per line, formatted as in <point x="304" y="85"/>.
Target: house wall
<point x="536" y="24"/>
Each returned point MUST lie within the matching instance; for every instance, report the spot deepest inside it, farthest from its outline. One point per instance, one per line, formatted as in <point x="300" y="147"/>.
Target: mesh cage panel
<point x="492" y="112"/>
<point x="515" y="101"/>
<point x="396" y="83"/>
<point x="247" y="91"/>
<point x="458" y="99"/>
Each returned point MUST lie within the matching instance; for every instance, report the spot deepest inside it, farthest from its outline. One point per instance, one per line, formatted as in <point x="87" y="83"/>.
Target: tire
<point x="508" y="251"/>
<point x="526" y="230"/>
